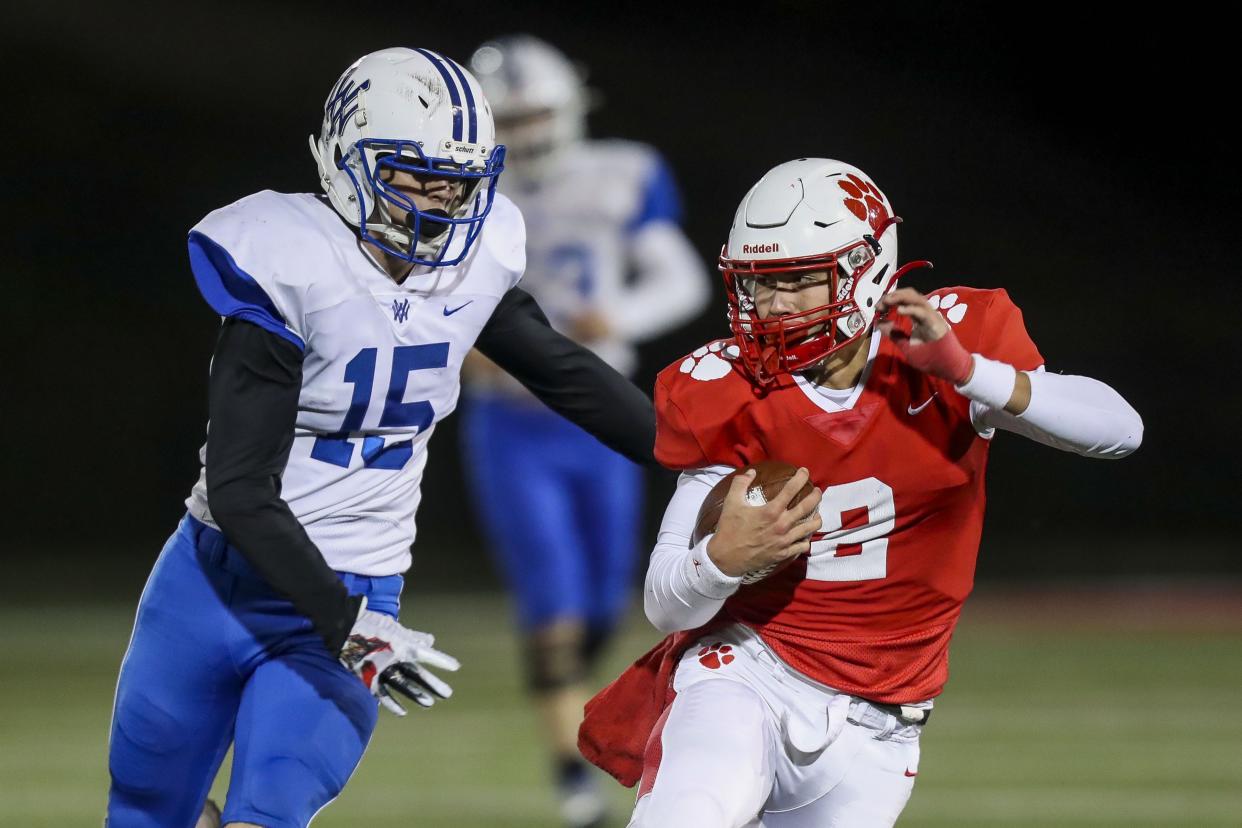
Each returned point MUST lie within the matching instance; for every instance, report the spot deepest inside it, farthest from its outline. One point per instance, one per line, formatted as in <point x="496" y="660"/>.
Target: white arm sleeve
<point x="670" y="284"/>
<point x="1070" y="413"/>
<point x="684" y="589"/>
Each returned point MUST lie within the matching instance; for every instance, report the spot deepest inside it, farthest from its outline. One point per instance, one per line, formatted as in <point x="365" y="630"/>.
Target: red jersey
<point x="871" y="610"/>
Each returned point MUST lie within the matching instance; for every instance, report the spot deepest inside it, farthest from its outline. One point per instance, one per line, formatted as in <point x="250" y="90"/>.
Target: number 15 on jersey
<point x="338" y="448"/>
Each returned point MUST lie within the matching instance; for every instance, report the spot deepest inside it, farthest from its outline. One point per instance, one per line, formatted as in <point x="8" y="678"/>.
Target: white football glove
<point x="388" y="656"/>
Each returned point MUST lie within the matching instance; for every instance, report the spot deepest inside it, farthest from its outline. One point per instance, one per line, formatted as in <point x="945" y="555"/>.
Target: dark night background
<point x="1083" y="163"/>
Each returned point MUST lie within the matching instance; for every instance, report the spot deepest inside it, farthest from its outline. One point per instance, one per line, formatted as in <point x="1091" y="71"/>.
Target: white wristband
<point x="705" y="577"/>
<point x="992" y="382"/>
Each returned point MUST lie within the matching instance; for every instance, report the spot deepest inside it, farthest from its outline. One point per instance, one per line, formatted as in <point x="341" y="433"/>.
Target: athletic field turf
<point x="1066" y="708"/>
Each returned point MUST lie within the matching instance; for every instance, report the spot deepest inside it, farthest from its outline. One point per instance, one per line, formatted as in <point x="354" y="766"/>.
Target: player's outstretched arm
<point x="1071" y="413"/>
<point x="1067" y="412"/>
<point x="256" y="377"/>
<point x="568" y="378"/>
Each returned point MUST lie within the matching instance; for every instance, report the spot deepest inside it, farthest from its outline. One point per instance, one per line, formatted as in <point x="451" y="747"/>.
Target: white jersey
<point x="603" y="236"/>
<point x="381" y="363"/>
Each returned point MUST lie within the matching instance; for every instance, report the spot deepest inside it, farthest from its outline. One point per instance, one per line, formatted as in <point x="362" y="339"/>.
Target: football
<point x="770" y="478"/>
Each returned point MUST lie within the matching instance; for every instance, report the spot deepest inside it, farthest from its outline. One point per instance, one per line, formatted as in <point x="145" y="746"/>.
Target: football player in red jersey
<point x="797" y="700"/>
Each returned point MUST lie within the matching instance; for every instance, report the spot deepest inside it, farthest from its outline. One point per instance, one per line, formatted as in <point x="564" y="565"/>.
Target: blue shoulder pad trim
<point x="661" y="200"/>
<point x="233" y="292"/>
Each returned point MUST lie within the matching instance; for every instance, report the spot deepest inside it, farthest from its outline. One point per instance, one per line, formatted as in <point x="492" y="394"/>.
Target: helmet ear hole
<point x="336" y="156"/>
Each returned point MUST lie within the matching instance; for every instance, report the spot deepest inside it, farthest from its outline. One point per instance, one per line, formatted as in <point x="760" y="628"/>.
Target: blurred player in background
<point x="269" y="620"/>
<point x="608" y="262"/>
<point x="795" y="698"/>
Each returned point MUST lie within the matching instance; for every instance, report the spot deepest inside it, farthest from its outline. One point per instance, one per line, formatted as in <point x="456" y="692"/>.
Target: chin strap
<point x="402" y="235"/>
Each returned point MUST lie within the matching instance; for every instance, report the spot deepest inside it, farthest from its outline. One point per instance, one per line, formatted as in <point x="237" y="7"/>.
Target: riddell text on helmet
<point x="774" y="247"/>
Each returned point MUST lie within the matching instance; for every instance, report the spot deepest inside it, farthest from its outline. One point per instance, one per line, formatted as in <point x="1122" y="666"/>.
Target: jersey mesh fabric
<point x="873" y="607"/>
<point x="381" y="364"/>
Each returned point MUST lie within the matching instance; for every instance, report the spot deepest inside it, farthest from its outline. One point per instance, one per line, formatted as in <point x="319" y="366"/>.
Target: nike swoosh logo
<point x="916" y="773"/>
<point x="912" y="410"/>
<point x="448" y="312"/>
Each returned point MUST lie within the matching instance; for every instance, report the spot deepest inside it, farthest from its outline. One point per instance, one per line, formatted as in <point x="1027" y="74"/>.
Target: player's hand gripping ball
<point x="767" y="540"/>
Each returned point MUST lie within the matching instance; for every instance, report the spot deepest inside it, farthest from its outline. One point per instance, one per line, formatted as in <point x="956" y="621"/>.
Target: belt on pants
<point x="904" y="712"/>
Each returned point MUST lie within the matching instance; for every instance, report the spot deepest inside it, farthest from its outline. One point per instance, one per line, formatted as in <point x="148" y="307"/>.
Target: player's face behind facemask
<point x="785" y="314"/>
<point x="415" y="197"/>
<point x="788" y="293"/>
<point x="801" y="306"/>
<point x="798" y="300"/>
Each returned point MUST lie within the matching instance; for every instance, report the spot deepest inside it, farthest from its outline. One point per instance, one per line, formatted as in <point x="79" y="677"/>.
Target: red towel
<point x="620" y="718"/>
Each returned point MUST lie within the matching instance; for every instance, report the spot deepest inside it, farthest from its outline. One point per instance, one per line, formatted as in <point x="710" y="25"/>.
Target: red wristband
<point x="944" y="358"/>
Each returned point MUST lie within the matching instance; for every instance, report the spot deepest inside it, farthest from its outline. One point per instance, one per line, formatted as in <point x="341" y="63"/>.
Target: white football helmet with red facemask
<point x="804" y="217"/>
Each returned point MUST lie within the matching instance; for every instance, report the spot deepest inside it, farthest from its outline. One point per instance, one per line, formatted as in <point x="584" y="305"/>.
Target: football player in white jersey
<point x="606" y="258"/>
<point x="269" y="620"/>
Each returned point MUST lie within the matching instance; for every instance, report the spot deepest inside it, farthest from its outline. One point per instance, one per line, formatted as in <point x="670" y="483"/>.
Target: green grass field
<point x="1059" y="713"/>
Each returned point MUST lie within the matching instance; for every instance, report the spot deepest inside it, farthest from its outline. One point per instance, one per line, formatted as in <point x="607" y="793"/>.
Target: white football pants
<point x="751" y="743"/>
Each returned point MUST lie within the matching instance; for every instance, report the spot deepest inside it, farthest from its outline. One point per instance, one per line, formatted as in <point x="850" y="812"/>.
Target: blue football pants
<point x="560" y="509"/>
<point x="217" y="657"/>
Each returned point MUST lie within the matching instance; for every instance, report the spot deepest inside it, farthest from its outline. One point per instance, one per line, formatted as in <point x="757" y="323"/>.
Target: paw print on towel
<point x="715" y="656"/>
<point x="949" y="307"/>
<point x="711" y="361"/>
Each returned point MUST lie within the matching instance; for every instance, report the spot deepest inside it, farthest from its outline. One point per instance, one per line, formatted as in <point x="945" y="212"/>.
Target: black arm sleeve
<point x="569" y="378"/>
<point x="256" y="377"/>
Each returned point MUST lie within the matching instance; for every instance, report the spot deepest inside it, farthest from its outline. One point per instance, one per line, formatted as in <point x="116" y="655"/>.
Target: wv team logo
<point x="338" y="110"/>
<point x="400" y="310"/>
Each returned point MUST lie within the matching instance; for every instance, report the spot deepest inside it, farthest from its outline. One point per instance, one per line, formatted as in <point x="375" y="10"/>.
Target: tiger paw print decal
<point x="710" y="362"/>
<point x="949" y="307"/>
<point x="716" y="656"/>
<point x="864" y="200"/>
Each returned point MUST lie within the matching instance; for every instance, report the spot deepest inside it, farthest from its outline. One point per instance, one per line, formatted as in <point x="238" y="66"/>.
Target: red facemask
<point x="791" y="342"/>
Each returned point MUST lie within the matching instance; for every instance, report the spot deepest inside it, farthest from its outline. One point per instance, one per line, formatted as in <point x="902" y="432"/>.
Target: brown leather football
<point x="770" y="478"/>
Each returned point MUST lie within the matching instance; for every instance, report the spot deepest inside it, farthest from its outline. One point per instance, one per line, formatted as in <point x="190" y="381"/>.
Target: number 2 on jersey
<point x="338" y="448"/>
<point x="853" y="541"/>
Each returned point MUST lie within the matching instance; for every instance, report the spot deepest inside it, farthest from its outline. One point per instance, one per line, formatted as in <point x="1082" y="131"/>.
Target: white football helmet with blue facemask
<point x="416" y="111"/>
